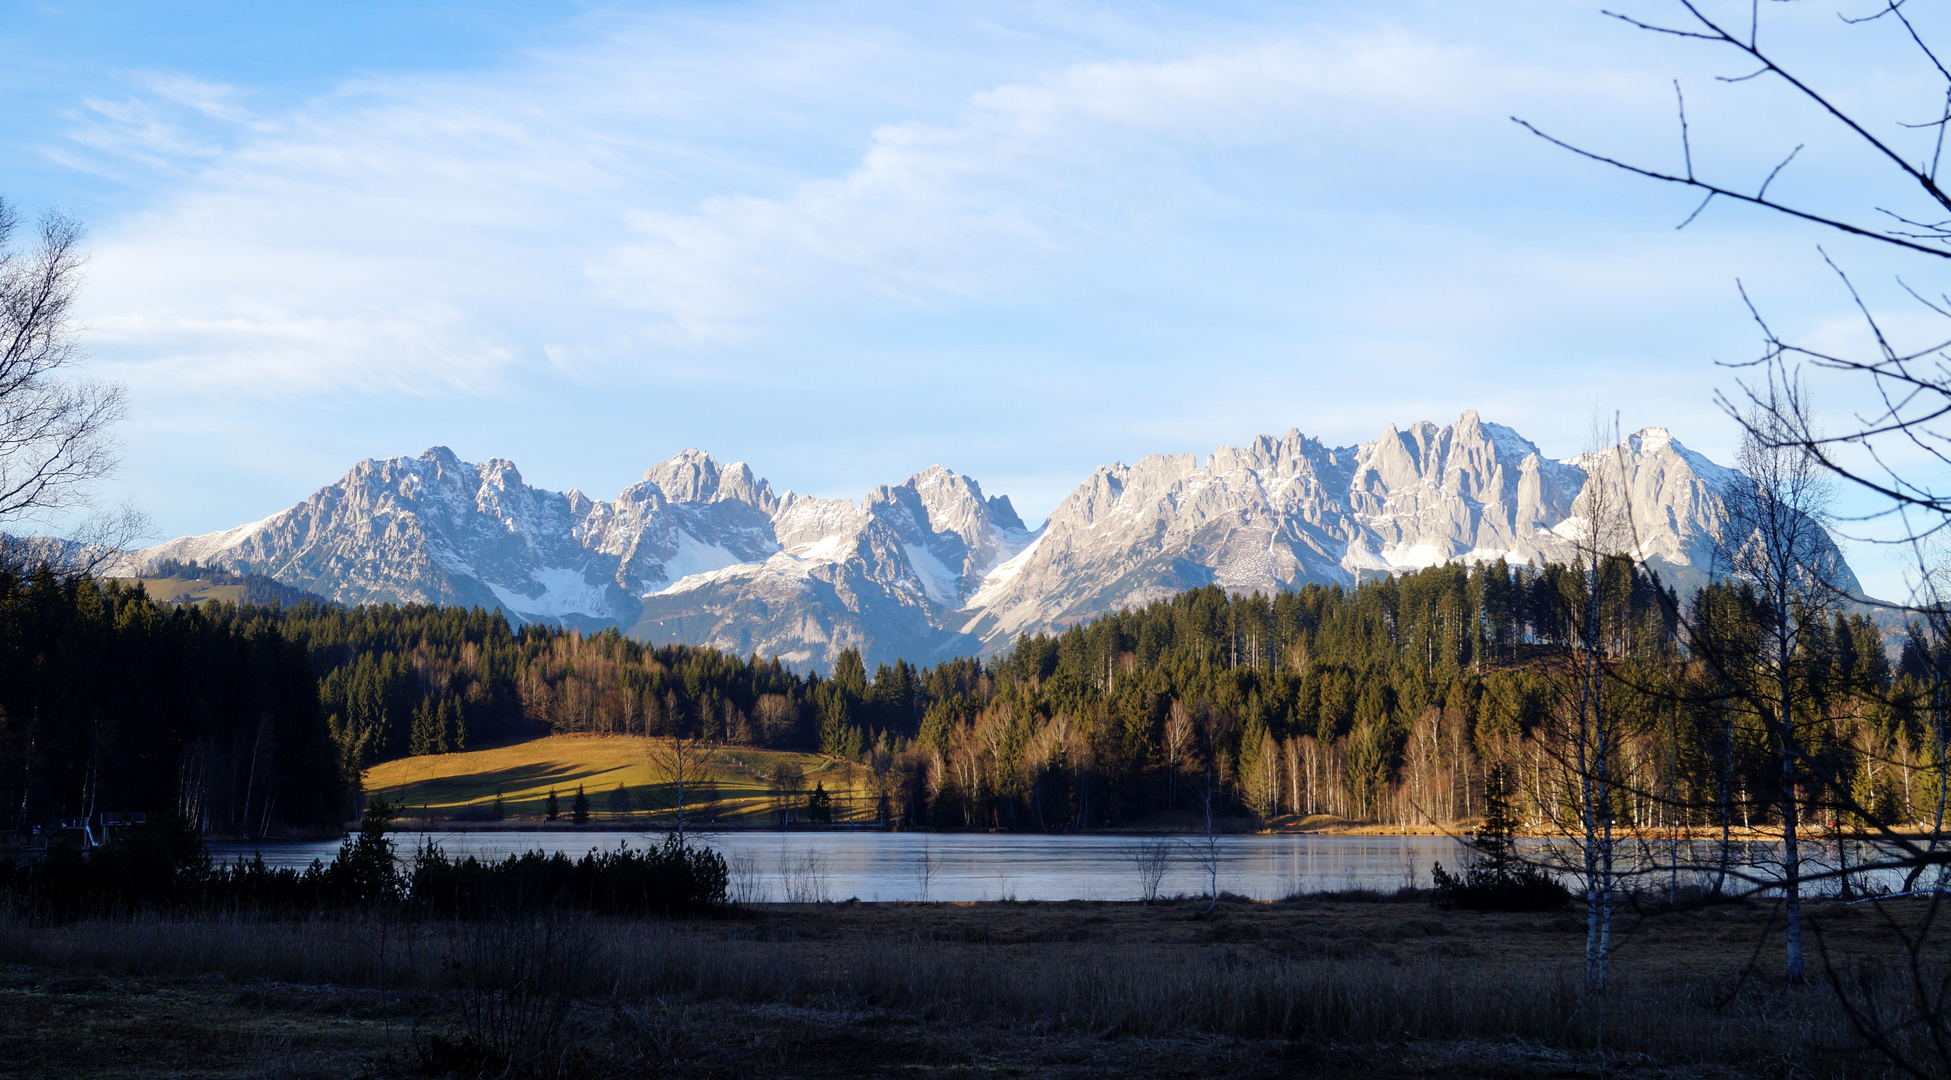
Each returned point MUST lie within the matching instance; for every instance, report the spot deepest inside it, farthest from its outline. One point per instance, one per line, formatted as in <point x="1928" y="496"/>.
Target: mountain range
<point x="709" y="554"/>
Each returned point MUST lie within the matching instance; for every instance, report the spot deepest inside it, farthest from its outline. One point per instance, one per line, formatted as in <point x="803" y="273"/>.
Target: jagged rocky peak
<point x="1469" y="457"/>
<point x="1291" y="455"/>
<point x="950" y="534"/>
<point x="444" y="460"/>
<point x="1468" y="486"/>
<point x="933" y="566"/>
<point x="502" y="474"/>
<point x="939" y="500"/>
<point x="692" y="476"/>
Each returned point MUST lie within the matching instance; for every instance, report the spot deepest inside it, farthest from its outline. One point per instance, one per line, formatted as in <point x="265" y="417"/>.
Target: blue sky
<point x="844" y="242"/>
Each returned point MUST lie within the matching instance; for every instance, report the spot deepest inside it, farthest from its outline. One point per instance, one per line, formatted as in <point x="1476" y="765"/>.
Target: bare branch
<point x="1715" y="189"/>
<point x="54" y="433"/>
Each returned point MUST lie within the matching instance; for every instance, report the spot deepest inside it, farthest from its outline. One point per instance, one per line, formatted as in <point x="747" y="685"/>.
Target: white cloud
<point x="425" y="234"/>
<point x="851" y="241"/>
<point x="1031" y="180"/>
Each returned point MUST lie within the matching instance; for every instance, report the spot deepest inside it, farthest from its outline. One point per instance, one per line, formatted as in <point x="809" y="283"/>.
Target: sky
<point x="843" y="242"/>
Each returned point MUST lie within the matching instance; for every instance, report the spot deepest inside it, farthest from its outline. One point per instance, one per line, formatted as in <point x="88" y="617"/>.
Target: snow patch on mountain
<point x="1415" y="556"/>
<point x="996" y="580"/>
<point x="693" y="557"/>
<point x="558" y="591"/>
<point x="938" y="582"/>
<point x="932" y="566"/>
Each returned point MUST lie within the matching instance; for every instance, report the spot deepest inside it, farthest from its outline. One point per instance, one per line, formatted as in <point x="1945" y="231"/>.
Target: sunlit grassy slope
<point x="192" y="590"/>
<point x="464" y="785"/>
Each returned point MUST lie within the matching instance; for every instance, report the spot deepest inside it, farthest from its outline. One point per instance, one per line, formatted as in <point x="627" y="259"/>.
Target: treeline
<point x="1384" y="702"/>
<point x="257" y="719"/>
<point x="404" y="680"/>
<point x="1391" y="701"/>
<point x="162" y="865"/>
<point x="111" y="703"/>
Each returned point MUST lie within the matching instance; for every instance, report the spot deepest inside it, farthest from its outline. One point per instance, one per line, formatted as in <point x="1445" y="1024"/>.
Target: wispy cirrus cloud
<point x="860" y="239"/>
<point x="429" y="234"/>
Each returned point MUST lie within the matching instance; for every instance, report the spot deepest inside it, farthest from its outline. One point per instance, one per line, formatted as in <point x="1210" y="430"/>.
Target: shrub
<point x="673" y="878"/>
<point x="1496" y="879"/>
<point x="1481" y="888"/>
<point x="163" y="866"/>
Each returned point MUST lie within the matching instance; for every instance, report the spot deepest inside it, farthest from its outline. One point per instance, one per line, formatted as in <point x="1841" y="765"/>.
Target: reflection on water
<point x="986" y="866"/>
<point x="972" y="866"/>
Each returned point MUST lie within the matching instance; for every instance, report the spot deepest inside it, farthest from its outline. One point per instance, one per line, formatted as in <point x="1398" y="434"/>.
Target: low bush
<point x="163" y="866"/>
<point x="673" y="878"/>
<point x="1495" y="879"/>
<point x="1486" y="888"/>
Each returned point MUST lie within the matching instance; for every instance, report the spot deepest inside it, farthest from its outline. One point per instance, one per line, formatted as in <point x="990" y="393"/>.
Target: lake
<point x="970" y="866"/>
<point x="872" y="865"/>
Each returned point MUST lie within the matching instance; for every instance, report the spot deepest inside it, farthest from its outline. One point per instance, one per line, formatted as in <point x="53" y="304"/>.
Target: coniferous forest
<point x="1383" y="703"/>
<point x="110" y="703"/>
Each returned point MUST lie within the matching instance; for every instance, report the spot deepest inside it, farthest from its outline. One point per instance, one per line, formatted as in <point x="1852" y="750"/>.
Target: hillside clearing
<point x="172" y="590"/>
<point x="736" y="786"/>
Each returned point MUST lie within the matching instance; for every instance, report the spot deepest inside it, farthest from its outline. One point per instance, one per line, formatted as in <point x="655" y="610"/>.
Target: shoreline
<point x="1238" y="827"/>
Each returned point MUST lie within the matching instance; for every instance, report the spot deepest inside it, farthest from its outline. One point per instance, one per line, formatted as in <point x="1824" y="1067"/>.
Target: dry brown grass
<point x="1396" y="981"/>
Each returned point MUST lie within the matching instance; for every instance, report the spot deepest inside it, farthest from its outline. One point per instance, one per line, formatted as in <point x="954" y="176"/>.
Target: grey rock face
<point x="694" y="552"/>
<point x="1282" y="513"/>
<point x="709" y="555"/>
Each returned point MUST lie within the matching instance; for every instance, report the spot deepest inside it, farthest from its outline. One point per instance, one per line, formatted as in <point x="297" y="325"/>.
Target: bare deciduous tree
<point x="1607" y="533"/>
<point x="54" y="433"/>
<point x="1922" y="231"/>
<point x="682" y="759"/>
<point x="1897" y="448"/>
<point x="785" y="782"/>
<point x="1151" y="859"/>
<point x="1775" y="541"/>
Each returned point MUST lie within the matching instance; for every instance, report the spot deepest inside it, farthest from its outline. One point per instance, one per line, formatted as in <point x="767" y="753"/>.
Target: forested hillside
<point x="1388" y="703"/>
<point x="110" y="703"/>
<point x="1383" y="703"/>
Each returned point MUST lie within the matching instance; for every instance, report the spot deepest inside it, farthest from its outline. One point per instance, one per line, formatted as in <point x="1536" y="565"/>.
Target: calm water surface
<point x="805" y="866"/>
<point x="971" y="866"/>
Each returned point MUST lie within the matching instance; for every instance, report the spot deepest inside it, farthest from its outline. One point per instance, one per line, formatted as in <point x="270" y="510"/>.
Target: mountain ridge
<point x="709" y="554"/>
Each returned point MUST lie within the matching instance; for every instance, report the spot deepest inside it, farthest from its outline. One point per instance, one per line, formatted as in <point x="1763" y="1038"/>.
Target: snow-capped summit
<point x="931" y="566"/>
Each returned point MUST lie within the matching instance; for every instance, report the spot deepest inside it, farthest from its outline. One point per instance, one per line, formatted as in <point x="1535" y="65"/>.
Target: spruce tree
<point x="550" y="809"/>
<point x="839" y="737"/>
<point x="1496" y="840"/>
<point x="453" y="725"/>
<point x="579" y="807"/>
<point x="426" y="734"/>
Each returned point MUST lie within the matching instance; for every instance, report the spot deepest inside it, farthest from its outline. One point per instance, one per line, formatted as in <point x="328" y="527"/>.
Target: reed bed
<point x="1141" y="989"/>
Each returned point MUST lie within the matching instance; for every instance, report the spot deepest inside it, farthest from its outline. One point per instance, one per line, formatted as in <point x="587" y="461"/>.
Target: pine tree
<point x="579" y="807"/>
<point x="550" y="809"/>
<point x="849" y="674"/>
